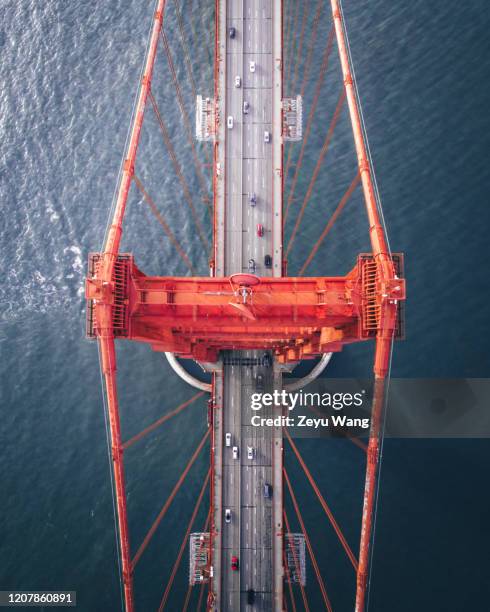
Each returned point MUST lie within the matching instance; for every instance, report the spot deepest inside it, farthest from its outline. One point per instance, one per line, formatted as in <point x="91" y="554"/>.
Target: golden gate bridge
<point x="248" y="321"/>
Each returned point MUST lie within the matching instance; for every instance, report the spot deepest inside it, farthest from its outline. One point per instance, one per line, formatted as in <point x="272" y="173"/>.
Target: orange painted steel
<point x="196" y="317"/>
<point x="105" y="310"/>
<point x="163" y="603"/>
<point x="389" y="288"/>
<point x="323" y="503"/>
<point x="319" y="577"/>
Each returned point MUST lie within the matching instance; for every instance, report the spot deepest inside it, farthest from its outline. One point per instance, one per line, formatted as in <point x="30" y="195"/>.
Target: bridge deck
<point x="248" y="165"/>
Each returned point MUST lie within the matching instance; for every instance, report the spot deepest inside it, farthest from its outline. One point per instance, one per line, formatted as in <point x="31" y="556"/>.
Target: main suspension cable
<point x="166" y="506"/>
<point x="319" y="162"/>
<point x="333" y="218"/>
<point x="323" y="503"/>
<point x="319" y="578"/>
<point x="184" y="543"/>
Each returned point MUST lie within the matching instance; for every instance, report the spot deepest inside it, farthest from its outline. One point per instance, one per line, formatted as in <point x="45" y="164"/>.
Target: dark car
<point x="232" y="32"/>
<point x="267" y="360"/>
<point x="268" y="261"/>
<point x="250" y="597"/>
<point x="259" y="382"/>
<point x="268" y="491"/>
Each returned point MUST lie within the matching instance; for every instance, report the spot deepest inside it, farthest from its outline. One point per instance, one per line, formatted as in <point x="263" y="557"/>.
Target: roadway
<point x="248" y="166"/>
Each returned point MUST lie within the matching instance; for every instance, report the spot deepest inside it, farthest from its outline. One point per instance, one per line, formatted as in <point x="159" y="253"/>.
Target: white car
<point x="250" y="452"/>
<point x="228" y="439"/>
<point x="227" y="515"/>
<point x="230" y="122"/>
<point x="252" y="66"/>
<point x="238" y="81"/>
<point x="246" y="106"/>
<point x="267" y="136"/>
<point x="235" y="452"/>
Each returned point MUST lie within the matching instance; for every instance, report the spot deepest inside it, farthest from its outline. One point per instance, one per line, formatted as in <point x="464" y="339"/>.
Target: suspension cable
<point x="321" y="584"/>
<point x="312" y="40"/>
<point x="166" y="506"/>
<point x="171" y="236"/>
<point x="184" y="543"/>
<point x="178" y="170"/>
<point x="183" y="40"/>
<point x="319" y="162"/>
<point x="287" y="36"/>
<point x="309" y="122"/>
<point x="296" y="563"/>
<point x="161" y="420"/>
<point x="189" y="590"/>
<point x="290" y="586"/>
<point x="291" y="44"/>
<point x="333" y="218"/>
<point x="306" y="11"/>
<point x="185" y="116"/>
<point x="323" y="503"/>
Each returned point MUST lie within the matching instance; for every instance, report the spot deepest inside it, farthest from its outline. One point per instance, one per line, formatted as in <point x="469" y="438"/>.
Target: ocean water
<point x="69" y="73"/>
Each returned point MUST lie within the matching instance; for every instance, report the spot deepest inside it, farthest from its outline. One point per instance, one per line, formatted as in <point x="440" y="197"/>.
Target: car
<point x="267" y="360"/>
<point x="267" y="136"/>
<point x="228" y="439"/>
<point x="260" y="230"/>
<point x="230" y="122"/>
<point x="235" y="452"/>
<point x="259" y="382"/>
<point x="253" y="199"/>
<point x="268" y="491"/>
<point x="238" y="81"/>
<point x="250" y="452"/>
<point x="250" y="597"/>
<point x="268" y="261"/>
<point x="227" y="515"/>
<point x="232" y="32"/>
<point x="246" y="106"/>
<point x="251" y="265"/>
<point x="234" y="563"/>
<point x="252" y="66"/>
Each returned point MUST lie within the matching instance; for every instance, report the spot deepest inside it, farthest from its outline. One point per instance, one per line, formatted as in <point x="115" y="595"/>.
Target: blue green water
<point x="69" y="73"/>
